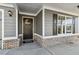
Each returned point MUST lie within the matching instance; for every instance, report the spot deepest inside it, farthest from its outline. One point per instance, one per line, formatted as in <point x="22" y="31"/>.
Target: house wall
<point x="38" y="36"/>
<point x="49" y="39"/>
<point x="71" y="39"/>
<point x="39" y="23"/>
<point x="10" y="40"/>
<point x="49" y="22"/>
<point x="9" y="22"/>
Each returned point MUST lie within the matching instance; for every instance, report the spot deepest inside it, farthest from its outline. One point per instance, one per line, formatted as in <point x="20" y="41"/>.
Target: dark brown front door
<point x="27" y="29"/>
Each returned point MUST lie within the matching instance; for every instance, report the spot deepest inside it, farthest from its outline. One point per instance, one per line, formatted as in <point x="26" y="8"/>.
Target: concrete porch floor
<point x="35" y="49"/>
<point x="64" y="49"/>
<point x="26" y="49"/>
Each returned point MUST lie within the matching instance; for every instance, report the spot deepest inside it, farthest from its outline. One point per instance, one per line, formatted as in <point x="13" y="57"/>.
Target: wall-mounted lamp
<point x="10" y="13"/>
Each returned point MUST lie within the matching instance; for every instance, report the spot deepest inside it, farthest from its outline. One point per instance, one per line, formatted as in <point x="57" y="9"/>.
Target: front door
<point x="27" y="29"/>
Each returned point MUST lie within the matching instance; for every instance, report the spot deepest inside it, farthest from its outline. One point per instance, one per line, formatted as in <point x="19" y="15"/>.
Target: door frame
<point x="23" y="25"/>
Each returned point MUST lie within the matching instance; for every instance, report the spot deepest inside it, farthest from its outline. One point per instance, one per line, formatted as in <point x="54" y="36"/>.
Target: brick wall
<point x="10" y="44"/>
<point x="57" y="40"/>
<point x="38" y="39"/>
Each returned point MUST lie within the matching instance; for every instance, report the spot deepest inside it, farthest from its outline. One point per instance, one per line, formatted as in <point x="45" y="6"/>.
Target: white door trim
<point x="23" y="23"/>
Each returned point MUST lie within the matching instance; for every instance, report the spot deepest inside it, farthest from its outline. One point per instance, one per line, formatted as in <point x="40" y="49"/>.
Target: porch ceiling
<point x="34" y="7"/>
<point x="31" y="8"/>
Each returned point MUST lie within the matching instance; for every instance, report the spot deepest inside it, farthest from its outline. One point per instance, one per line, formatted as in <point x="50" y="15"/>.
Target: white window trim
<point x="65" y="26"/>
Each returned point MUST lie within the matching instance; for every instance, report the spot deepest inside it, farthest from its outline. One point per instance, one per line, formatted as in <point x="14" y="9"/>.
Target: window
<point x="64" y="24"/>
<point x="59" y="25"/>
<point x="69" y="24"/>
<point x="68" y="29"/>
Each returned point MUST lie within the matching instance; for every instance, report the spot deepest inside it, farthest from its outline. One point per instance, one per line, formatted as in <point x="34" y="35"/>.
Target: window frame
<point x="63" y="33"/>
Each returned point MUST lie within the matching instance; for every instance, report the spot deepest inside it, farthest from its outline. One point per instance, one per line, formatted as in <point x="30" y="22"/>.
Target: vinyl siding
<point x="9" y="22"/>
<point x="48" y="23"/>
<point x="39" y="23"/>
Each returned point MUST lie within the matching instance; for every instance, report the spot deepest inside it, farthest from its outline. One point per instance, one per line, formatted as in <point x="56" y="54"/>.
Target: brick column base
<point x="7" y="44"/>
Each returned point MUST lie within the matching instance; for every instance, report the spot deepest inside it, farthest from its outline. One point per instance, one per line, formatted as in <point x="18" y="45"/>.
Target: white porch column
<point x="43" y="22"/>
<point x="16" y="21"/>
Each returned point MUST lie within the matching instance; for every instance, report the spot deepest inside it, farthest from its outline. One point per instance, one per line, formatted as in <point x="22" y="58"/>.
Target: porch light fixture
<point x="10" y="13"/>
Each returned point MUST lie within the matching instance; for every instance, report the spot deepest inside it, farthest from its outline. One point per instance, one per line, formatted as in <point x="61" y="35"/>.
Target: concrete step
<point x="28" y="41"/>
